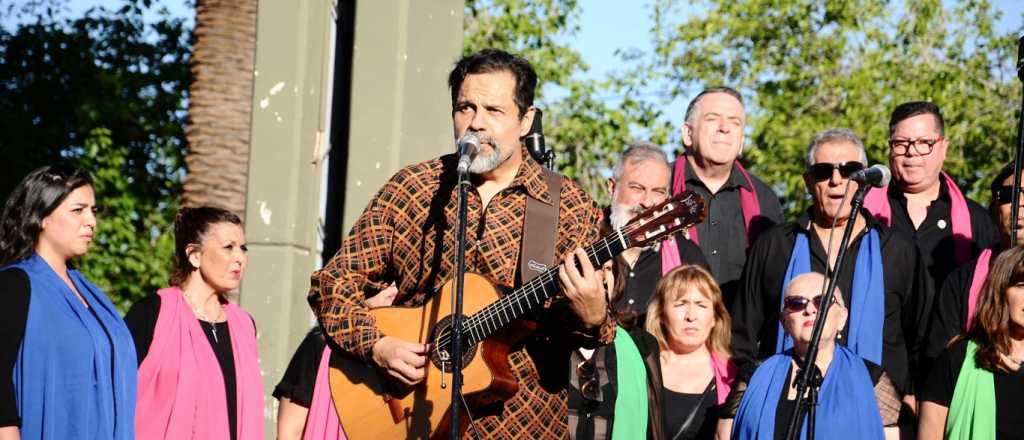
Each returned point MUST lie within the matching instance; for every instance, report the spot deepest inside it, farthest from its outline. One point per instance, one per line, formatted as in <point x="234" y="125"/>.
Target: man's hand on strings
<point x="585" y="288"/>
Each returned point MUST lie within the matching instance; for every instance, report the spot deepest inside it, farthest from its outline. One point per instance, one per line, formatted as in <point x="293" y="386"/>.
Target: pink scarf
<point x="180" y="393"/>
<point x="749" y="205"/>
<point x="322" y="421"/>
<point x="977" y="280"/>
<point x="725" y="374"/>
<point x="877" y="202"/>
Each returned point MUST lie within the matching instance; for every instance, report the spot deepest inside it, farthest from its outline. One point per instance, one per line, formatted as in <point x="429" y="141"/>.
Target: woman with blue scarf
<point x="68" y="355"/>
<point x="976" y="388"/>
<point x="856" y="401"/>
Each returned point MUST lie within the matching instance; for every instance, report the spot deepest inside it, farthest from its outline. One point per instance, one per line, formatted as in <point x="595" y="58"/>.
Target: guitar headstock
<point x="677" y="213"/>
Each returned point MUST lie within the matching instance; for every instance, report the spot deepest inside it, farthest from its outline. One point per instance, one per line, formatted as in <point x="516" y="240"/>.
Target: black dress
<point x="141" y="320"/>
<point x="696" y="411"/>
<point x="1009" y="390"/>
<point x="300" y="378"/>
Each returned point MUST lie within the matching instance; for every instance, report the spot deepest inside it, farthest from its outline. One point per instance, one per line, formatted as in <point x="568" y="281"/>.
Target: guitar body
<point x="371" y="406"/>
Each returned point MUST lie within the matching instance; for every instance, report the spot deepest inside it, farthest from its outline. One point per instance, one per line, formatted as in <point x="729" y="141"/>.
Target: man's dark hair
<point x="491" y="61"/>
<point x="914" y="108"/>
<point x="722" y="89"/>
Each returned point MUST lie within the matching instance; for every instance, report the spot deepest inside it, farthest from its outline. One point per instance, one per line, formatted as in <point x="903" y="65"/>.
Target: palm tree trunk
<point x="220" y="104"/>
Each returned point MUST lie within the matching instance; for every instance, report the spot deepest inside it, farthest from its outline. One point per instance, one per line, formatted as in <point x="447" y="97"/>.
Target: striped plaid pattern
<point x="407" y="235"/>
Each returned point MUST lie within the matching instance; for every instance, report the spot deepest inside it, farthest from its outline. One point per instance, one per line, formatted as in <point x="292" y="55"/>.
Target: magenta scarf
<point x="749" y="205"/>
<point x="977" y="280"/>
<point x="180" y="385"/>
<point x="877" y="202"/>
<point x="322" y="420"/>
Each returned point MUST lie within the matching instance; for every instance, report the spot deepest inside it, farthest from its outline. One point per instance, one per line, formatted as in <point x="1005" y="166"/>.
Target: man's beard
<point x="621" y="214"/>
<point x="487" y="162"/>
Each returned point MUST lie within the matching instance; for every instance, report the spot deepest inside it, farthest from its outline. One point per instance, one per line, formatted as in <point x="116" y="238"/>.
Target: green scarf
<point x="630" y="420"/>
<point x="972" y="412"/>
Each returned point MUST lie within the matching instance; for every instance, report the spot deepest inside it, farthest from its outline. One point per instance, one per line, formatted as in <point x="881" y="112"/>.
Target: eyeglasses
<point x="797" y="303"/>
<point x="921" y="146"/>
<point x="590" y="388"/>
<point x="823" y="170"/>
<point x="1004" y="194"/>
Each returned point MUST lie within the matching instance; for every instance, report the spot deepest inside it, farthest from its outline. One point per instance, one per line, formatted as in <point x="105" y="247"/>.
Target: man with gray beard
<point x="639" y="181"/>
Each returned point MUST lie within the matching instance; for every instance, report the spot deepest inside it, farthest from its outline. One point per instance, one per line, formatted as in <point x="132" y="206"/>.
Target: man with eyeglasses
<point x="957" y="298"/>
<point x="923" y="202"/>
<point x="879" y="278"/>
<point x="740" y="205"/>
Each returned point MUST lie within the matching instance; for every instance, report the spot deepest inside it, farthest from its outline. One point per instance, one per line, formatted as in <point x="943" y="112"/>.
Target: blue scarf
<point x="867" y="300"/>
<point x="75" y="375"/>
<point x="846" y="409"/>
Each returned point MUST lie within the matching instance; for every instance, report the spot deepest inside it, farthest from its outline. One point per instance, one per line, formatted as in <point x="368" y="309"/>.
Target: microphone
<point x="877" y="176"/>
<point x="468" y="146"/>
<point x="535" y="139"/>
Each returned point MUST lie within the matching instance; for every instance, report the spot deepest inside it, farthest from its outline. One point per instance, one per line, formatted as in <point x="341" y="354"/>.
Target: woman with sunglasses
<point x="880" y="278"/>
<point x="976" y="389"/>
<point x="856" y="399"/>
<point x="66" y="356"/>
<point x="199" y="372"/>
<point x="957" y="300"/>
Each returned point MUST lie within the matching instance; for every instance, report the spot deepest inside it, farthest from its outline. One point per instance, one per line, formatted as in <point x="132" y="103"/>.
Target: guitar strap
<point x="540" y="230"/>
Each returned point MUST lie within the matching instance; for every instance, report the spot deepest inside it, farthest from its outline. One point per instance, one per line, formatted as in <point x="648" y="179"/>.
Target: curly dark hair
<point x="190" y="226"/>
<point x="492" y="61"/>
<point x="32" y="200"/>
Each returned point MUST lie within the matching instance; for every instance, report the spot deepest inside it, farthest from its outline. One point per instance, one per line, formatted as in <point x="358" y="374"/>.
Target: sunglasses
<point x="823" y="170"/>
<point x="589" y="386"/>
<point x="796" y="303"/>
<point x="1004" y="194"/>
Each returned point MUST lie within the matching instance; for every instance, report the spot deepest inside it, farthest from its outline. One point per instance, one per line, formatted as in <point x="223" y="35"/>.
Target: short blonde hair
<point x="675" y="284"/>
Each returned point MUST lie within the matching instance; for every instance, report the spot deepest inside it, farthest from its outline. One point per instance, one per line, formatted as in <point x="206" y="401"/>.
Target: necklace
<point x="202" y="316"/>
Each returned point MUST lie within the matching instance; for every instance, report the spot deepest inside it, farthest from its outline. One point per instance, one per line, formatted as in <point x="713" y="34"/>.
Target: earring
<point x="839" y="335"/>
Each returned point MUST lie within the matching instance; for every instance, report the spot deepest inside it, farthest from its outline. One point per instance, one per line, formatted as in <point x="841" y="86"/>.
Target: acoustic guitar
<point x="373" y="405"/>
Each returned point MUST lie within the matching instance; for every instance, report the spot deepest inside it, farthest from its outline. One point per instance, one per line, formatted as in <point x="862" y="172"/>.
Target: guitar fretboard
<point x="510" y="307"/>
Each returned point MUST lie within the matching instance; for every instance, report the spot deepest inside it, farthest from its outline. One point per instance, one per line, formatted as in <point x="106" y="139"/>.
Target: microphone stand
<point x="456" y="325"/>
<point x="809" y="378"/>
<point x="1018" y="160"/>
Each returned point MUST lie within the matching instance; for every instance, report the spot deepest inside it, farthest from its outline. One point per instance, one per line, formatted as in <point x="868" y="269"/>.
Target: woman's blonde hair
<point x="677" y="283"/>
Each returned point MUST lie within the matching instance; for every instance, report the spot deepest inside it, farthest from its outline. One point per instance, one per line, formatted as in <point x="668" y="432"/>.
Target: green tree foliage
<point x="106" y="91"/>
<point x="587" y="121"/>
<point x="808" y="65"/>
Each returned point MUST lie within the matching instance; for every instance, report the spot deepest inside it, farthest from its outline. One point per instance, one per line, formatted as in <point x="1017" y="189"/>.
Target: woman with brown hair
<point x="199" y="374"/>
<point x="974" y="390"/>
<point x="693" y="375"/>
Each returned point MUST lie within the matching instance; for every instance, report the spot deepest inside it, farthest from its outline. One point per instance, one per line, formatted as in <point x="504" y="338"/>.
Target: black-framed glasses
<point x="797" y="303"/>
<point x="823" y="170"/>
<point x="590" y="386"/>
<point x="921" y="146"/>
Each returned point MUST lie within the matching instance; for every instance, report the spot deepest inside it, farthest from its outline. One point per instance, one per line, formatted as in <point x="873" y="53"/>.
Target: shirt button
<point x="630" y="301"/>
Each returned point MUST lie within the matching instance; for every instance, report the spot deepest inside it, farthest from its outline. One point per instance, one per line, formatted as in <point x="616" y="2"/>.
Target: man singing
<point x="407" y="235"/>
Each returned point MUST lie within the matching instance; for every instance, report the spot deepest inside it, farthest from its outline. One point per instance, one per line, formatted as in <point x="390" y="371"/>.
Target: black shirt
<point x="1009" y="389"/>
<point x="755" y="310"/>
<point x="16" y="290"/>
<point x="639" y="283"/>
<point x="678" y="407"/>
<point x="935" y="234"/>
<point x="141" y="320"/>
<point x="722" y="234"/>
<point x="299" y="379"/>
<point x="950" y="312"/>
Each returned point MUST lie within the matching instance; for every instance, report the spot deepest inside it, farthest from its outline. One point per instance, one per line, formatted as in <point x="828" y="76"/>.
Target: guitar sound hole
<point x="440" y="336"/>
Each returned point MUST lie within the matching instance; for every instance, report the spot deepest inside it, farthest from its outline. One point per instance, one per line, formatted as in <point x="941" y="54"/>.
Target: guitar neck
<point x="510" y="307"/>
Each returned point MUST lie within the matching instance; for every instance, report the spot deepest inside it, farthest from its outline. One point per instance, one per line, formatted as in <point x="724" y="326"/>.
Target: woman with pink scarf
<point x="199" y="375"/>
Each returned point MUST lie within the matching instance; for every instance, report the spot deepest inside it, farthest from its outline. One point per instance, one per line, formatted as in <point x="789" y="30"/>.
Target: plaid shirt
<point x="407" y="235"/>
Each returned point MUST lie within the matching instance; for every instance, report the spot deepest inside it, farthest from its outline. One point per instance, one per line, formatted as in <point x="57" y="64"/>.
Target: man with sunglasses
<point x="879" y="278"/>
<point x="923" y="202"/>
<point x="740" y="205"/>
<point x="957" y="298"/>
